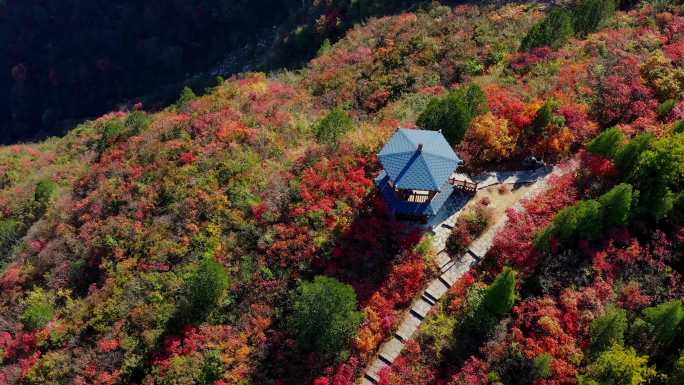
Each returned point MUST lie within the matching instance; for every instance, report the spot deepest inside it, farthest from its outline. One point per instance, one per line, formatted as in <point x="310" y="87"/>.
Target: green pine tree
<point x="608" y="329"/>
<point x="324" y="316"/>
<point x="500" y="296"/>
<point x="608" y="143"/>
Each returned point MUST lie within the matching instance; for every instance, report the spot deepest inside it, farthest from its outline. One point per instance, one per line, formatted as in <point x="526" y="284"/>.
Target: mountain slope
<point x="168" y="247"/>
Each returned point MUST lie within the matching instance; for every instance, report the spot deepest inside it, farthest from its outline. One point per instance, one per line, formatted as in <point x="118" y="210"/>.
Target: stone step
<point x="407" y="327"/>
<point x="421" y="307"/>
<point x="436" y="289"/>
<point x="392" y="349"/>
<point x="429" y="298"/>
<point x="447" y="266"/>
<point x="374" y="370"/>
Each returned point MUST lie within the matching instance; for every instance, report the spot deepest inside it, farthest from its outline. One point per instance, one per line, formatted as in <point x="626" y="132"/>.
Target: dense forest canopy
<point x="65" y="60"/>
<point x="62" y="61"/>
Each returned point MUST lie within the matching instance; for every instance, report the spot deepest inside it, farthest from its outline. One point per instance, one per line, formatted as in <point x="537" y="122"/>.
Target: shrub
<point x="112" y="130"/>
<point x="666" y="321"/>
<point x="44" y="191"/>
<point x="453" y="113"/>
<point x="678" y="371"/>
<point x="324" y="48"/>
<point x="186" y="96"/>
<point x="546" y="116"/>
<point x="333" y="126"/>
<point x="324" y="317"/>
<point x="608" y="143"/>
<point x="204" y="289"/>
<point x="38" y="309"/>
<point x="678" y="128"/>
<point x="541" y="366"/>
<point x="137" y="122"/>
<point x="467" y="228"/>
<point x="500" y="295"/>
<point x="589" y="14"/>
<point x="608" y="329"/>
<point x="553" y="31"/>
<point x="438" y="332"/>
<point x="616" y="205"/>
<point x="618" y="366"/>
<point x="666" y="107"/>
<point x="10" y="232"/>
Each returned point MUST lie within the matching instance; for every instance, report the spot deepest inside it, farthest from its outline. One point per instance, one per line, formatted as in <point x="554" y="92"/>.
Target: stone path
<point x="451" y="270"/>
<point x="492" y="178"/>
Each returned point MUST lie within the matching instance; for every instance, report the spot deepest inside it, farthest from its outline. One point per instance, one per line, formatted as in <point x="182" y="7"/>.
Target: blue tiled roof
<point x="427" y="169"/>
<point x="400" y="206"/>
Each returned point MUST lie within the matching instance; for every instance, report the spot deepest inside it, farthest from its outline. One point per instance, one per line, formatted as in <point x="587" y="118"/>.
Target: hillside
<point x="62" y="62"/>
<point x="237" y="237"/>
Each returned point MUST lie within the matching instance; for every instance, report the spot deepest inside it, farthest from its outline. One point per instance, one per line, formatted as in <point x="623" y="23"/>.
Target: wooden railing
<point x="463" y="185"/>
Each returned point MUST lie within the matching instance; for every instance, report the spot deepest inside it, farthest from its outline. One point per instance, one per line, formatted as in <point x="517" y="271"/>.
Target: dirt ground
<point x="501" y="197"/>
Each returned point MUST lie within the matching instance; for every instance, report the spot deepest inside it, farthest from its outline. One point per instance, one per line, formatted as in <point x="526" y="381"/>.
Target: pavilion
<point x="417" y="166"/>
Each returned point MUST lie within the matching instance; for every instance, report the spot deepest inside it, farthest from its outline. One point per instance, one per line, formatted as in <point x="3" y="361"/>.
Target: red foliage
<point x="107" y="345"/>
<point x="457" y="293"/>
<point x="514" y="244"/>
<point x="624" y="98"/>
<point x="523" y="61"/>
<point x="559" y="327"/>
<point x="596" y="166"/>
<point x="506" y="105"/>
<point x="187" y="158"/>
<point x="624" y="254"/>
<point x="675" y="51"/>
<point x="405" y="280"/>
<point x="473" y="372"/>
<point x="578" y="121"/>
<point x="344" y="374"/>
<point x="15" y="346"/>
<point x="631" y="297"/>
<point x="329" y="182"/>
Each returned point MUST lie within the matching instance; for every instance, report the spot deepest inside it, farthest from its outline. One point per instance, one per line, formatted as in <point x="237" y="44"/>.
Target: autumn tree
<point x="324" y="315"/>
<point x="618" y="366"/>
<point x="608" y="329"/>
<point x="453" y="113"/>
<point x="489" y="139"/>
<point x="38" y="309"/>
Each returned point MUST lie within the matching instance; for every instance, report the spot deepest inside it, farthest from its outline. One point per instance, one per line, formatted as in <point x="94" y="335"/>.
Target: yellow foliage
<point x="489" y="139"/>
